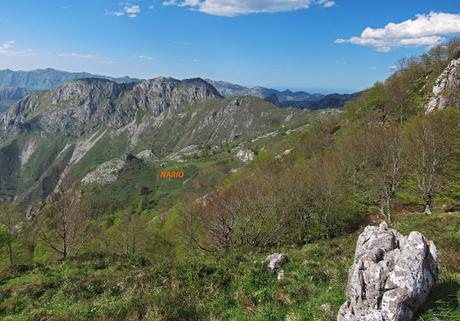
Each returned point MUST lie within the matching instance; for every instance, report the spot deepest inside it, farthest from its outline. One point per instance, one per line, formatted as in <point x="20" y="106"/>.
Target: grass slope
<point x="97" y="287"/>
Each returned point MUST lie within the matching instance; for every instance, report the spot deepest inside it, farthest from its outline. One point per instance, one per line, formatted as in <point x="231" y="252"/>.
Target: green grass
<point x="159" y="194"/>
<point x="117" y="288"/>
<point x="444" y="229"/>
<point x="107" y="148"/>
<point x="235" y="287"/>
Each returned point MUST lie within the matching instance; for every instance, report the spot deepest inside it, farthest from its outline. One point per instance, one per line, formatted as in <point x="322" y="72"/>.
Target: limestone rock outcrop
<point x="147" y="155"/>
<point x="245" y="155"/>
<point x="391" y="276"/>
<point x="449" y="78"/>
<point x="105" y="173"/>
<point x="275" y="261"/>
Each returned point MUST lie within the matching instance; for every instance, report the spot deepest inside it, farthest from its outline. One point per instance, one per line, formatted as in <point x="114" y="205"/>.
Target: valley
<point x="171" y="200"/>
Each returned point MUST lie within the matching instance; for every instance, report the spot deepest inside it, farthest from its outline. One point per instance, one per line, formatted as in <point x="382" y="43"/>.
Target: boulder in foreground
<point x="391" y="276"/>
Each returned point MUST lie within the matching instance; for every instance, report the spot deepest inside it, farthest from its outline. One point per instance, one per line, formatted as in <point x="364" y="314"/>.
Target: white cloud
<point x="145" y="57"/>
<point x="231" y="8"/>
<point x="7" y="49"/>
<point x="425" y="30"/>
<point x="79" y="56"/>
<point x="132" y="11"/>
<point x="326" y="3"/>
<point x="6" y="46"/>
<point x="128" y="10"/>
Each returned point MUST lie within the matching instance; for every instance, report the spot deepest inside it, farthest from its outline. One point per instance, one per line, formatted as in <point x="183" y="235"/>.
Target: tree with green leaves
<point x="10" y="224"/>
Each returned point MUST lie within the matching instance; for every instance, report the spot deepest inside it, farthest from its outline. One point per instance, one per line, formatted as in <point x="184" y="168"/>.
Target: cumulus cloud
<point x="132" y="11"/>
<point x="128" y="10"/>
<point x="424" y="30"/>
<point x="231" y="8"/>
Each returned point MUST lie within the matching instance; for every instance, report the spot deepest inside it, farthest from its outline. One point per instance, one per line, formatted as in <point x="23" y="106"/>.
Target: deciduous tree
<point x="63" y="221"/>
<point x="431" y="140"/>
<point x="10" y="219"/>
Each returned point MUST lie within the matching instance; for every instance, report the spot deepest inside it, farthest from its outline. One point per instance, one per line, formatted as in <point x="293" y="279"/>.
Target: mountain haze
<point x="48" y="78"/>
<point x="15" y="85"/>
<point x="286" y="98"/>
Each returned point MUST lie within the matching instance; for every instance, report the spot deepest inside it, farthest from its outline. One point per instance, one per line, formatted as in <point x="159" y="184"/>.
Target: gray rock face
<point x="105" y="173"/>
<point x="86" y="105"/>
<point x="245" y="155"/>
<point x="147" y="155"/>
<point x="163" y="93"/>
<point x="391" y="276"/>
<point x="449" y="78"/>
<point x="275" y="261"/>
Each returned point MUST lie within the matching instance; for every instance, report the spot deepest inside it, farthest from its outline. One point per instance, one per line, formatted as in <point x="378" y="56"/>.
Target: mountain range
<point x="15" y="85"/>
<point x="228" y="89"/>
<point x="49" y="78"/>
<point x="286" y="98"/>
<point x="91" y="125"/>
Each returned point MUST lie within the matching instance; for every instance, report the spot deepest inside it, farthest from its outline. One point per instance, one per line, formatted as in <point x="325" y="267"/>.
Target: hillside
<point x="10" y="95"/>
<point x="238" y="287"/>
<point x="161" y="200"/>
<point x="88" y="122"/>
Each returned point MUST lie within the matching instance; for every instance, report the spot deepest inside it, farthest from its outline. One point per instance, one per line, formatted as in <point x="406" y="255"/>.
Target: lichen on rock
<point x="391" y="276"/>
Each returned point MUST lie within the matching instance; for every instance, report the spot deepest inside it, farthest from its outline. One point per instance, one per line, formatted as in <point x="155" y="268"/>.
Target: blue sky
<point x="297" y="44"/>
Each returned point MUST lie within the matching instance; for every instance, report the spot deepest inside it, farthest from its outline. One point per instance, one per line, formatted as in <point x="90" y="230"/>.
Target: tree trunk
<point x="427" y="209"/>
<point x="428" y="202"/>
<point x="10" y="253"/>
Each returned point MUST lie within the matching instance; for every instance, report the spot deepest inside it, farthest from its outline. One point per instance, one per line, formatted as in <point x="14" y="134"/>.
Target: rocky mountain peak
<point x="87" y="88"/>
<point x="87" y="104"/>
<point x="160" y="94"/>
<point x="273" y="98"/>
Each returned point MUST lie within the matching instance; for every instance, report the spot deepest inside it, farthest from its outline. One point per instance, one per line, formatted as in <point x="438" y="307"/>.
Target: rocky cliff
<point x="82" y="106"/>
<point x="444" y="87"/>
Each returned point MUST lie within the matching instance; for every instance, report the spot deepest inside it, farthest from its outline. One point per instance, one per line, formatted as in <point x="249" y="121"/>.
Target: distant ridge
<point x="15" y="85"/>
<point x="286" y="98"/>
<point x="41" y="79"/>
